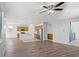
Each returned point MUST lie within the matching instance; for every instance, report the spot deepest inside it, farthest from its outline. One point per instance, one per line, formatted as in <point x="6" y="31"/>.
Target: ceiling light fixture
<point x="51" y="8"/>
<point x="50" y="12"/>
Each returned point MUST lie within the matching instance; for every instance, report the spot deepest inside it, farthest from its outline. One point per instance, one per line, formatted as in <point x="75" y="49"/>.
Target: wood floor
<point x="17" y="48"/>
<point x="75" y="42"/>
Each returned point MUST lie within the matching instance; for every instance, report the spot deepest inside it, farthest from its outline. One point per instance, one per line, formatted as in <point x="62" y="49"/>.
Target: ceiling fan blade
<point x="45" y="7"/>
<point x="59" y="4"/>
<point x="58" y="9"/>
<point x="43" y="11"/>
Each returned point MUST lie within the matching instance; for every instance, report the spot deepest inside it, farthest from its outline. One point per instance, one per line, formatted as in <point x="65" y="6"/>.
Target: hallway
<point x="17" y="48"/>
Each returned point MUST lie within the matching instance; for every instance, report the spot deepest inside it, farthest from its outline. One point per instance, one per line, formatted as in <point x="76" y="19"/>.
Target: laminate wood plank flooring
<point x="17" y="48"/>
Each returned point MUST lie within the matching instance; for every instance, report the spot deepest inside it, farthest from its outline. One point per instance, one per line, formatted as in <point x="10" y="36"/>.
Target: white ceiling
<point x="30" y="10"/>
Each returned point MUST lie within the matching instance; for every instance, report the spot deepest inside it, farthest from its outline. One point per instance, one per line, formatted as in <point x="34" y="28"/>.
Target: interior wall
<point x="2" y="34"/>
<point x="1" y="45"/>
<point x="60" y="30"/>
<point x="75" y="28"/>
<point x="11" y="33"/>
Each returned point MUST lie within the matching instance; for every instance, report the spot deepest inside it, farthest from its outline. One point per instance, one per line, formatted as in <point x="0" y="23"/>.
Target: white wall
<point x="75" y="28"/>
<point x="60" y="30"/>
<point x="2" y="36"/>
<point x="11" y="33"/>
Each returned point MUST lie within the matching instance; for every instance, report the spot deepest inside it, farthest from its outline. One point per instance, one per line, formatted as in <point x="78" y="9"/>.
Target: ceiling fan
<point x="51" y="8"/>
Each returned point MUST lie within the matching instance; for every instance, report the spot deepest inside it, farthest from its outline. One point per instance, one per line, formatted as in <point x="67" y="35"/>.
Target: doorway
<point x="38" y="33"/>
<point x="74" y="32"/>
